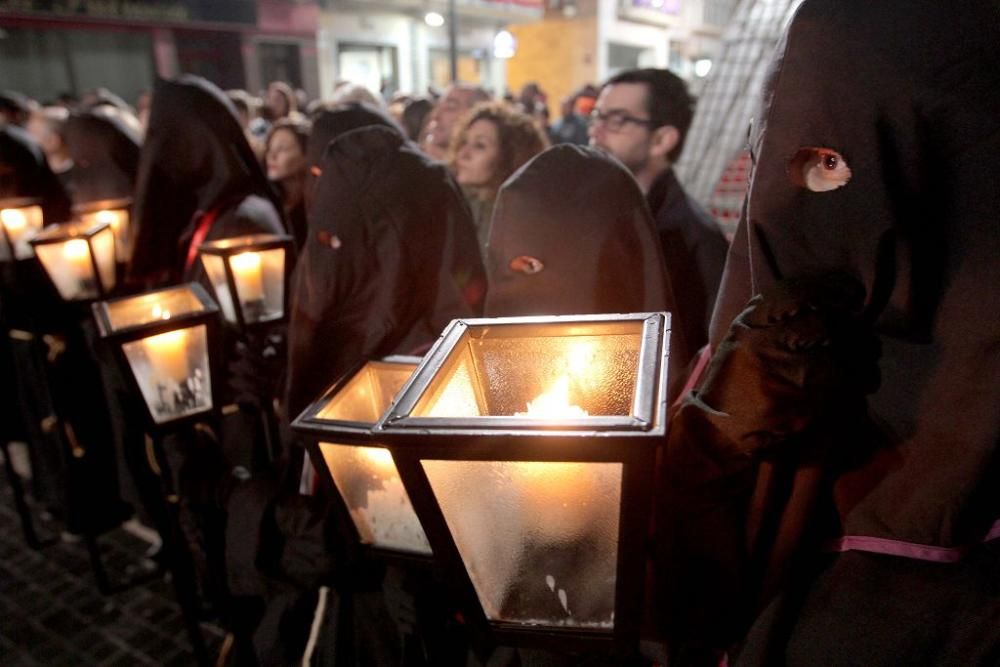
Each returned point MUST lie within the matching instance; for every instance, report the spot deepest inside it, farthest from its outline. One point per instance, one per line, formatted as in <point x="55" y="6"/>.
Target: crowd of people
<point x="827" y="492"/>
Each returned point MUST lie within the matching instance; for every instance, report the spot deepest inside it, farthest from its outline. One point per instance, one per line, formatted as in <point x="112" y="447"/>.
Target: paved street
<point x="51" y="612"/>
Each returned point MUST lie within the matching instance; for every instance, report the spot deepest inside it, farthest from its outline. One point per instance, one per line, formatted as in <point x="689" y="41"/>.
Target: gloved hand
<point x="798" y="354"/>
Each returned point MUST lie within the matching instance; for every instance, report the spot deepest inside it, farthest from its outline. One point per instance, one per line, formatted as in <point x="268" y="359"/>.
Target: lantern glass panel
<point x="367" y="395"/>
<point x="534" y="370"/>
<point x="148" y="308"/>
<point x="538" y="539"/>
<point x="68" y="262"/>
<point x="20" y="224"/>
<point x="172" y="371"/>
<point x="215" y="267"/>
<point x="118" y="218"/>
<point x="380" y="508"/>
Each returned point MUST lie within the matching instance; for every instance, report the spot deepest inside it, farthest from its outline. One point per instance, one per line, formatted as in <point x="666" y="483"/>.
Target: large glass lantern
<point x="20" y="220"/>
<point x="249" y="276"/>
<point x="376" y="514"/>
<point x="115" y="212"/>
<point x="527" y="446"/>
<point x="163" y="340"/>
<point x="79" y="258"/>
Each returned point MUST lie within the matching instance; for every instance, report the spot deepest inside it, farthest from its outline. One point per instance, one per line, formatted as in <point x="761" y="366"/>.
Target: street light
<point x="527" y="447"/>
<point x="20" y="219"/>
<point x="79" y="258"/>
<point x="255" y="269"/>
<point x="115" y="212"/>
<point x="375" y="511"/>
<point x="162" y="339"/>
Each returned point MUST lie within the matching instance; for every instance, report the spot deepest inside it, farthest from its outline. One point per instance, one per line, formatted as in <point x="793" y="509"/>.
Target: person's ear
<point x="664" y="140"/>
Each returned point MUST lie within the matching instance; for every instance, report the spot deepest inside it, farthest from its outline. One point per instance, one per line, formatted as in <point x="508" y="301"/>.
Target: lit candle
<point x="14" y="220"/>
<point x="379" y="461"/>
<point x="554" y="403"/>
<point x="168" y="355"/>
<point x="76" y="252"/>
<point x="21" y="224"/>
<point x="247" y="275"/>
<point x="118" y="219"/>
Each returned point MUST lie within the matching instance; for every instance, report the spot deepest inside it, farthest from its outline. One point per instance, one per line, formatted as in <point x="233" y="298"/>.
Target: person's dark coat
<point x="694" y="251"/>
<point x="196" y="168"/>
<point x="105" y="149"/>
<point x="869" y="164"/>
<point x="24" y="172"/>
<point x="391" y="258"/>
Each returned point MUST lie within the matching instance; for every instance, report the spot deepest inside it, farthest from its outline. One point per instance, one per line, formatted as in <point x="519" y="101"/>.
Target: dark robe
<point x="105" y="152"/>
<point x="908" y="95"/>
<point x="694" y="251"/>
<point x="61" y="407"/>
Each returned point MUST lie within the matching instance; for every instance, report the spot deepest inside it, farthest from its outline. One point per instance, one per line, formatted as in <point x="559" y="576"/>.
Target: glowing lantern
<point x="376" y="513"/>
<point x="79" y="258"/>
<point x="115" y="212"/>
<point x="20" y="220"/>
<point x="254" y="269"/>
<point x="527" y="446"/>
<point x="163" y="340"/>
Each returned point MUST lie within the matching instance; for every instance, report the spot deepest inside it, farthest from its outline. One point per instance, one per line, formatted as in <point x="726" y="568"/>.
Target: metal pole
<point x="453" y="40"/>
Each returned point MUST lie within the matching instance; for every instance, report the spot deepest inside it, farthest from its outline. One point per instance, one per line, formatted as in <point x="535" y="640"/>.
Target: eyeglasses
<point x="616" y="120"/>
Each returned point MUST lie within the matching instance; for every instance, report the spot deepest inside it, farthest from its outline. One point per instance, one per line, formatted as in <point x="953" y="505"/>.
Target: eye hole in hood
<point x="819" y="169"/>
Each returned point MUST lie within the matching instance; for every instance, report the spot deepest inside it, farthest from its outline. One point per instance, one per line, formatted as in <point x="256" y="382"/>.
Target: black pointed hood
<point x="906" y="96"/>
<point x="104" y="146"/>
<point x="195" y="157"/>
<point x="390" y="259"/>
<point x="25" y="173"/>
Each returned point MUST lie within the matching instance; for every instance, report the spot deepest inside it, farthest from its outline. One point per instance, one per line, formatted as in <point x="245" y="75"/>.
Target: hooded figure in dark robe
<point x="572" y="235"/>
<point x="104" y="147"/>
<point x="198" y="181"/>
<point x="388" y="263"/>
<point x="61" y="408"/>
<point x="871" y="153"/>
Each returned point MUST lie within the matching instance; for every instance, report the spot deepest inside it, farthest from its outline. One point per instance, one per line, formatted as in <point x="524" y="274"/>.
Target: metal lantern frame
<point x="228" y="247"/>
<point x="351" y="433"/>
<point x="117" y="338"/>
<point x="629" y="440"/>
<point x="70" y="231"/>
<point x="123" y="246"/>
<point x="17" y="203"/>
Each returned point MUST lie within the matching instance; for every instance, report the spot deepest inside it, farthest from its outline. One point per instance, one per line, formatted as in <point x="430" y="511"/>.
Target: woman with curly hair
<point x="490" y="144"/>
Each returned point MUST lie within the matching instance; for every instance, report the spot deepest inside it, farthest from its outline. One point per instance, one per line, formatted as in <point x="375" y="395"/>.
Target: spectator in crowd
<point x="641" y="117"/>
<point x="246" y="112"/>
<point x="456" y="101"/>
<point x="287" y="169"/>
<point x="572" y="127"/>
<point x="490" y="144"/>
<point x="280" y="101"/>
<point x="415" y="115"/>
<point x="15" y="108"/>
<point x="47" y="126"/>
<point x="353" y="92"/>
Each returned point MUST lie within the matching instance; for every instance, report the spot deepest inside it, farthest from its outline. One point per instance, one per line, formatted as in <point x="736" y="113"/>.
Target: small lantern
<point x="163" y="338"/>
<point x="527" y="446"/>
<point x="115" y="212"/>
<point x="254" y="269"/>
<point x="79" y="258"/>
<point x="20" y="219"/>
<point x="375" y="510"/>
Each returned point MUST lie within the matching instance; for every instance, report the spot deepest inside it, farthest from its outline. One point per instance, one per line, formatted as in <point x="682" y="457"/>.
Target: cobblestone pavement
<point x="51" y="612"/>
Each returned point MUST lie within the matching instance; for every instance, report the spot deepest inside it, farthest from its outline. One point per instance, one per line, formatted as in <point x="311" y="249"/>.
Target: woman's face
<point x="478" y="156"/>
<point x="285" y="158"/>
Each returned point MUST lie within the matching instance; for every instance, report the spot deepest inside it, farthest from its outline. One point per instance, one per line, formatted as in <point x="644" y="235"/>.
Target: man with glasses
<point x="641" y="117"/>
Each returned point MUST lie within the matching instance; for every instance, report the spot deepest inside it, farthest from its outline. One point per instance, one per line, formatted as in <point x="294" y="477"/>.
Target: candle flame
<point x="245" y="261"/>
<point x="13" y="219"/>
<point x="379" y="456"/>
<point x="76" y="249"/>
<point x="554" y="403"/>
<point x="160" y="313"/>
<point x="107" y="216"/>
<point x="168" y="339"/>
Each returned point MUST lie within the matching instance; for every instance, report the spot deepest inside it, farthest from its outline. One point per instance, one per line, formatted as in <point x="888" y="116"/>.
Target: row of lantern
<point x="518" y="454"/>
